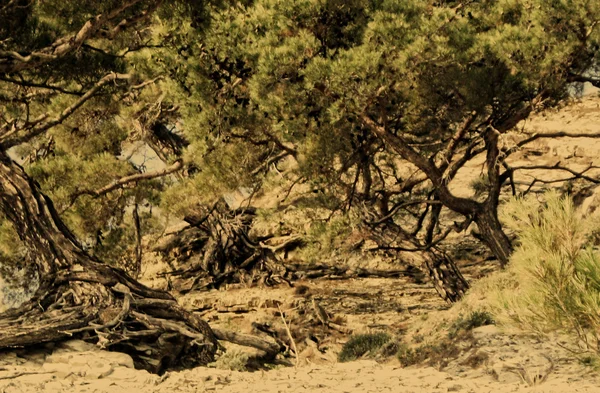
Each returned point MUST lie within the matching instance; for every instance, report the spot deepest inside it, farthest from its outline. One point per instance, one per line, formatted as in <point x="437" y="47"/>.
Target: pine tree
<point x="68" y="88"/>
<point x="378" y="103"/>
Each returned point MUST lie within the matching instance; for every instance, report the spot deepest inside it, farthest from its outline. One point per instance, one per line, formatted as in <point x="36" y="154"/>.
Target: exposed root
<point x="269" y="347"/>
<point x="157" y="333"/>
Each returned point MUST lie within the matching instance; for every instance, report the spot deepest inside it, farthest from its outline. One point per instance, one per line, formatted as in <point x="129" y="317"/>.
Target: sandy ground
<point x="79" y="367"/>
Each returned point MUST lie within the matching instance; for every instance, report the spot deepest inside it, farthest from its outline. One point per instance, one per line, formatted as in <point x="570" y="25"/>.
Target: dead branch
<point x="457" y="138"/>
<point x="557" y="166"/>
<point x="270" y="348"/>
<point x="128" y="180"/>
<point x="548" y="135"/>
<point x="399" y="206"/>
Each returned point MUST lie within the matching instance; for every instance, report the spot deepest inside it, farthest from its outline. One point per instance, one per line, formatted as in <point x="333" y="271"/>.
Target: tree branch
<point x="12" y="61"/>
<point x="580" y="78"/>
<point x="458" y="204"/>
<point x="549" y="135"/>
<point x="39" y="125"/>
<point x="557" y="166"/>
<point x="127" y="180"/>
<point x="40" y="86"/>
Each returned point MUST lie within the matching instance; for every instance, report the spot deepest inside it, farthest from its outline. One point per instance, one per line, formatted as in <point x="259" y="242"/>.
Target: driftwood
<point x="216" y="250"/>
<point x="270" y="347"/>
<point x="304" y="271"/>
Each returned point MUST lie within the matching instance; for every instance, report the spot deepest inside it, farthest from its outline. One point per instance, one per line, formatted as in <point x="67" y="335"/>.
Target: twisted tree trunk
<point x="492" y="234"/>
<point x="445" y="276"/>
<point x="81" y="296"/>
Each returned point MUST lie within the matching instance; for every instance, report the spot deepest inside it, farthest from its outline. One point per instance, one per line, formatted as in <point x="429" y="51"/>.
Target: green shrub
<point x="439" y="354"/>
<point x="361" y="344"/>
<point x="474" y="320"/>
<point x="233" y="359"/>
<point x="407" y="356"/>
<point x="556" y="270"/>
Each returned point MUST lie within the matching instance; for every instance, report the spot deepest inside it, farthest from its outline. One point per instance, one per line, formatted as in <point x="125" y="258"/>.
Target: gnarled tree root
<point x="117" y="314"/>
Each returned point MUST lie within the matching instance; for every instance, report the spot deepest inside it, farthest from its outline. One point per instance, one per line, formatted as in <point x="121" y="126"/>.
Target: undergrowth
<point x="472" y="321"/>
<point x="233" y="359"/>
<point x="363" y="344"/>
<point x="552" y="283"/>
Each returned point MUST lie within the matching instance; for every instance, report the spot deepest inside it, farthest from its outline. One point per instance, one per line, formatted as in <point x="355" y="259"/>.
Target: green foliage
<point x="362" y="344"/>
<point x="430" y="353"/>
<point x="325" y="237"/>
<point x="480" y="185"/>
<point x="294" y="78"/>
<point x="472" y="321"/>
<point x="233" y="359"/>
<point x="408" y="356"/>
<point x="590" y="361"/>
<point x="556" y="270"/>
<point x="271" y="83"/>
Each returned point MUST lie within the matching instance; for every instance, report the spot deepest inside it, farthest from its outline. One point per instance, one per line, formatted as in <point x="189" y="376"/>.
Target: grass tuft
<point x="474" y="320"/>
<point x="362" y="344"/>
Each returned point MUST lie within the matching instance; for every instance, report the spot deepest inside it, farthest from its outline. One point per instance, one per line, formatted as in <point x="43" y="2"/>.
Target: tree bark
<point x="492" y="234"/>
<point x="81" y="296"/>
<point x="447" y="279"/>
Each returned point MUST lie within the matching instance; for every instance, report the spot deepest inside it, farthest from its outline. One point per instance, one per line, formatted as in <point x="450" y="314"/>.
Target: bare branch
<point x="131" y="179"/>
<point x="458" y="204"/>
<point x="457" y="138"/>
<point x="399" y="206"/>
<point x="125" y="181"/>
<point x="40" y="86"/>
<point x="580" y="78"/>
<point x="557" y="166"/>
<point x="550" y="135"/>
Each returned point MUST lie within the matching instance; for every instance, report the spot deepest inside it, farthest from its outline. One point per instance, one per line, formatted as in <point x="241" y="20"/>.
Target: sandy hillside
<point x="485" y="359"/>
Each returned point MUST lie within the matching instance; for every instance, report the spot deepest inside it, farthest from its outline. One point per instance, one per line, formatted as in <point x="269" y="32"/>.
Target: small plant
<point x="418" y="338"/>
<point x="407" y="356"/>
<point x="480" y="185"/>
<point x="362" y="344"/>
<point x="437" y="354"/>
<point x="474" y="320"/>
<point x="590" y="361"/>
<point x="233" y="359"/>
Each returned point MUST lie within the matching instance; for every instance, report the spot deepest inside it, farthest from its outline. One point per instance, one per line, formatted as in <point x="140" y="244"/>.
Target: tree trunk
<point x="445" y="276"/>
<point x="492" y="234"/>
<point x="83" y="297"/>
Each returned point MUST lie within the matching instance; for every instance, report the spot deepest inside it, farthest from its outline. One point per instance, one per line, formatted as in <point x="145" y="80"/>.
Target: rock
<point x="60" y="370"/>
<point x="117" y="359"/>
<point x="99" y="370"/>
